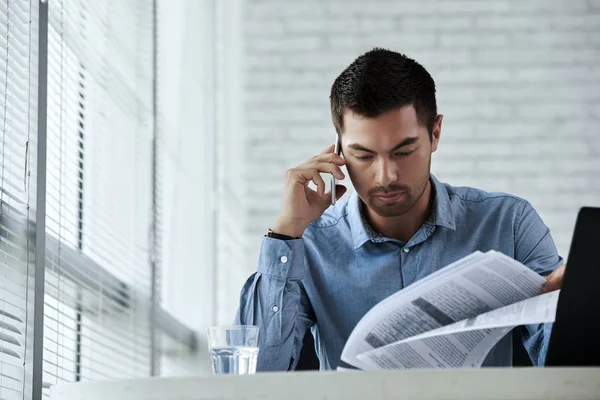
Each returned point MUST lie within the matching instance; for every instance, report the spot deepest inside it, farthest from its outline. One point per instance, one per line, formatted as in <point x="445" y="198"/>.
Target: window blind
<point x="99" y="191"/>
<point x="18" y="116"/>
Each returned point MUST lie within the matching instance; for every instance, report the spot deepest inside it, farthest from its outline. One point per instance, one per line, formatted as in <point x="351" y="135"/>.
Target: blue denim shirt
<point x="340" y="268"/>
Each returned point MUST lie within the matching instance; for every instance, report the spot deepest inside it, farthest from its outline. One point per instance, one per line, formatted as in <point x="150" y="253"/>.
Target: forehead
<point x="383" y="131"/>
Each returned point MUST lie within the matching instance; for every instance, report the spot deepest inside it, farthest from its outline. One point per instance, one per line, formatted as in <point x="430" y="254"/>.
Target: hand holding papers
<point x="453" y="317"/>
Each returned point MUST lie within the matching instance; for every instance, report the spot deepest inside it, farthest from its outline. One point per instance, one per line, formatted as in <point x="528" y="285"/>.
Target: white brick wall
<point x="518" y="82"/>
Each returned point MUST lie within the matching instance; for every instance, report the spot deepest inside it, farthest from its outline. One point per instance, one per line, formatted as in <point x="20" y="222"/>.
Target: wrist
<point x="274" y="235"/>
<point x="293" y="228"/>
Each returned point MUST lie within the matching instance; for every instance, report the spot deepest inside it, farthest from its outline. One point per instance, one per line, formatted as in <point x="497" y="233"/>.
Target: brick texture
<point x="518" y="83"/>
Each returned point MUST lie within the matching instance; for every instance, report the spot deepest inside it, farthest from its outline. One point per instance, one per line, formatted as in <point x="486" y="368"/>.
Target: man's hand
<point x="302" y="205"/>
<point x="554" y="280"/>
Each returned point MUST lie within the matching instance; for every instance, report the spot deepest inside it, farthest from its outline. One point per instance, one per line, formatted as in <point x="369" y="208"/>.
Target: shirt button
<point x="406" y="249"/>
<point x="283" y="259"/>
<point x="275" y="308"/>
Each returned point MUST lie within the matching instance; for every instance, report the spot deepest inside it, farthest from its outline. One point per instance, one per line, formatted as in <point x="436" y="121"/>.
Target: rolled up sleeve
<point x="274" y="299"/>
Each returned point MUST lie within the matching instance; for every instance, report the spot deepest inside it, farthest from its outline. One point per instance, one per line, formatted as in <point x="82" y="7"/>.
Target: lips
<point x="388" y="198"/>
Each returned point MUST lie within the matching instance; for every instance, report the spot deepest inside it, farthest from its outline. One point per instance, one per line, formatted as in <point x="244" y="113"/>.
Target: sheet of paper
<point x="460" y="350"/>
<point x="465" y="343"/>
<point x="465" y="289"/>
<point x="535" y="310"/>
<point x="356" y="343"/>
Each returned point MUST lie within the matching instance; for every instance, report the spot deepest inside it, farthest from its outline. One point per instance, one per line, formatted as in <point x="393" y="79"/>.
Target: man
<point x="324" y="267"/>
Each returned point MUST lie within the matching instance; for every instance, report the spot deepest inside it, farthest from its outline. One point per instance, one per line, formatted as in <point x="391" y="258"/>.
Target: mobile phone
<point x="337" y="150"/>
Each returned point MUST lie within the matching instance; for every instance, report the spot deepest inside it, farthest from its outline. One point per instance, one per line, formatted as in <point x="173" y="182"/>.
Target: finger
<point x="307" y="171"/>
<point x="303" y="176"/>
<point x="328" y="149"/>
<point x="331" y="168"/>
<point x="558" y="273"/>
<point x="551" y="286"/>
<point x="318" y="180"/>
<point x="329" y="157"/>
<point x="554" y="280"/>
<point x="553" y="283"/>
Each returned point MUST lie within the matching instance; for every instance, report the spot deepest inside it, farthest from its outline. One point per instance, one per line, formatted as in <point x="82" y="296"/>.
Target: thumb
<point x="554" y="280"/>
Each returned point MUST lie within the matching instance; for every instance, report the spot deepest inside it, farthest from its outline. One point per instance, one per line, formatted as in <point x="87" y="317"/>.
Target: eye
<point x="404" y="154"/>
<point x="364" y="158"/>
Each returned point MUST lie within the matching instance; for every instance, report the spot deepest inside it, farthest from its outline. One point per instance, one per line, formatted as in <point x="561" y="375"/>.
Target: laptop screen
<point x="575" y="338"/>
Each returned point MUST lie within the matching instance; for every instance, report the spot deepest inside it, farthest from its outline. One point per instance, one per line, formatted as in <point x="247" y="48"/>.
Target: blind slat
<point x="17" y="104"/>
<point x="97" y="245"/>
<point x="99" y="189"/>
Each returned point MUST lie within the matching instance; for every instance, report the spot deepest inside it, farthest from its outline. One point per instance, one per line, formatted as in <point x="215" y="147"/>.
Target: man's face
<point x="389" y="158"/>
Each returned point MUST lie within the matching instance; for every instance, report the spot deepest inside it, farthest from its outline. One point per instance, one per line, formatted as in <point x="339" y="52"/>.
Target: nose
<point x="387" y="172"/>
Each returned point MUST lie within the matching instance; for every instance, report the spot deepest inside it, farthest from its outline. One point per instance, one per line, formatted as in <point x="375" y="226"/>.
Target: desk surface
<point x="506" y="384"/>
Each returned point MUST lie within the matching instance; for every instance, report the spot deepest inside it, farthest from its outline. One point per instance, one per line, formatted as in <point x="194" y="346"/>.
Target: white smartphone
<point x="337" y="150"/>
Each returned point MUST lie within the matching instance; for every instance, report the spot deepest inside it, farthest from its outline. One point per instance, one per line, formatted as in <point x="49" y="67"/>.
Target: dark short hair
<point x="382" y="80"/>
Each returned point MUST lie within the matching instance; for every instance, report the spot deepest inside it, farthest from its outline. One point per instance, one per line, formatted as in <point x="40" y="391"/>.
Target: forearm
<point x="274" y="300"/>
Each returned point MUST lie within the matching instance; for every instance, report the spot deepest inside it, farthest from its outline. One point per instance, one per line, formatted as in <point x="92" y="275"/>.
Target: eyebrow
<point x="405" y="142"/>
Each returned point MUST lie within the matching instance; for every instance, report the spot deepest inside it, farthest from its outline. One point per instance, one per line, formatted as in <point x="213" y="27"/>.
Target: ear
<point x="437" y="131"/>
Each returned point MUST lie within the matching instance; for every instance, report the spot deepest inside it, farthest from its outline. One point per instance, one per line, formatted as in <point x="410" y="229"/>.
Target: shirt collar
<point x="441" y="215"/>
<point x="443" y="207"/>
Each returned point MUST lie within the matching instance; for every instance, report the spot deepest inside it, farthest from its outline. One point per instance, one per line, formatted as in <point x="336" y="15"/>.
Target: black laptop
<point x="575" y="337"/>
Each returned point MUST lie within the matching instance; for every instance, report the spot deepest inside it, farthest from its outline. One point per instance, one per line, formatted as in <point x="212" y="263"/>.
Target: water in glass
<point x="234" y="360"/>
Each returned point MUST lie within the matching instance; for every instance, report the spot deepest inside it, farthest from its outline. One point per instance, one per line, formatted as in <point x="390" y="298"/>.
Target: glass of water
<point x="233" y="349"/>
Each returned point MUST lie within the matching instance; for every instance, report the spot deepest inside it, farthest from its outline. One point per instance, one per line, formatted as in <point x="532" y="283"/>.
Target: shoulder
<point x="477" y="207"/>
<point x="474" y="198"/>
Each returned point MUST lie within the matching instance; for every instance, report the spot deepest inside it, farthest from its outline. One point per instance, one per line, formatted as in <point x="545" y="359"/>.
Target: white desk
<point x="505" y="384"/>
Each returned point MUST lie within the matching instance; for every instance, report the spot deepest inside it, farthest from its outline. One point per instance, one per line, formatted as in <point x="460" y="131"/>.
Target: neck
<point x="403" y="227"/>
